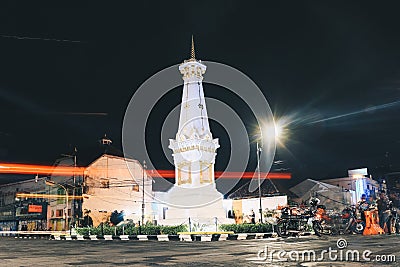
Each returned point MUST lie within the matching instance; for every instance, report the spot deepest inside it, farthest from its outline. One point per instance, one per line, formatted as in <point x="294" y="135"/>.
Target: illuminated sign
<point x="34" y="208"/>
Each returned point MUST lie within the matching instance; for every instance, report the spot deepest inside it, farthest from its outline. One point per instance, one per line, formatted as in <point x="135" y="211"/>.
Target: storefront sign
<point x="34" y="208"/>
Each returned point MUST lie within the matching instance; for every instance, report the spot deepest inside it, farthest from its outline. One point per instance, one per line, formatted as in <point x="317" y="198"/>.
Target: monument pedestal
<point x="203" y="205"/>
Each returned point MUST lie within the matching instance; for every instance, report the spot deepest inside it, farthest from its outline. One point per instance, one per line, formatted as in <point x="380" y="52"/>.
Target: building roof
<point x="267" y="189"/>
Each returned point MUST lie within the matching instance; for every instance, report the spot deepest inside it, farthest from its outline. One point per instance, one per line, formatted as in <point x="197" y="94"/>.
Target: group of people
<point x="383" y="205"/>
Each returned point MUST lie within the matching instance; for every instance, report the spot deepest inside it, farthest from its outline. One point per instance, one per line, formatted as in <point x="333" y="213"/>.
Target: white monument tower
<point x="194" y="194"/>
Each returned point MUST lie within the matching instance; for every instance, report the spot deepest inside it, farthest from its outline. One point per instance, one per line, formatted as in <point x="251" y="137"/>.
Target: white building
<point x="109" y="183"/>
<point x="116" y="183"/>
<point x="357" y="181"/>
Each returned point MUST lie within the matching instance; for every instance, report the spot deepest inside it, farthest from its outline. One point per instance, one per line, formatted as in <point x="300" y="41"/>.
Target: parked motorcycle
<point x="346" y="222"/>
<point x="294" y="221"/>
<point x="393" y="219"/>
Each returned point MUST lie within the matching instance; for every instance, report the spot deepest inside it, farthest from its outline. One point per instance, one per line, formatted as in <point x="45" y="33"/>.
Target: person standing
<point x="383" y="207"/>
<point x="253" y="217"/>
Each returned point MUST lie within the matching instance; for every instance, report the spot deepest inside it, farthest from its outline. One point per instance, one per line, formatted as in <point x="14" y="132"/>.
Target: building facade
<point x="357" y="181"/>
<point x="23" y="213"/>
<point x="60" y="203"/>
<point x="114" y="183"/>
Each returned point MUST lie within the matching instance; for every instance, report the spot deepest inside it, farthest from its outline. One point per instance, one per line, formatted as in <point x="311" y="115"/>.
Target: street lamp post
<point x="259" y="180"/>
<point x="144" y="167"/>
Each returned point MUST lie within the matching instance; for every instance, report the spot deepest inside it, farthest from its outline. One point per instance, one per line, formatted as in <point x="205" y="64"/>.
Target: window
<point x="135" y="188"/>
<point x="105" y="184"/>
<point x="59" y="213"/>
<point x="61" y="192"/>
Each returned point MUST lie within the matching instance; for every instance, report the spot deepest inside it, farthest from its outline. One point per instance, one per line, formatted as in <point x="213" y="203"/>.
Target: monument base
<point x="202" y="207"/>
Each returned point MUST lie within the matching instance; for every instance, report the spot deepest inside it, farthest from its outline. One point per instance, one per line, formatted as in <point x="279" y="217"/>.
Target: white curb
<point x="142" y="237"/>
<point x="206" y="237"/>
<point x="185" y="238"/>
<point x="223" y="237"/>
<point x="162" y="238"/>
<point x="124" y="237"/>
<point x="241" y="236"/>
<point x="108" y="237"/>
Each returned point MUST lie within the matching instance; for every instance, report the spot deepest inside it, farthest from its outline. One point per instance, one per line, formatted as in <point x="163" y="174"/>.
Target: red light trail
<point x="39" y="169"/>
<point x="15" y="168"/>
<point x="225" y="175"/>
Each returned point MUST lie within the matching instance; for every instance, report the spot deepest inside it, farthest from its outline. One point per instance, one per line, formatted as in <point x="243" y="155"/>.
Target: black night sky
<point x="68" y="72"/>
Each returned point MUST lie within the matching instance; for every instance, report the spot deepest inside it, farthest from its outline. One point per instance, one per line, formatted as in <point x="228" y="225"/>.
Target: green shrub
<point x="147" y="229"/>
<point x="247" y="228"/>
<point x="82" y="231"/>
<point x="173" y="229"/>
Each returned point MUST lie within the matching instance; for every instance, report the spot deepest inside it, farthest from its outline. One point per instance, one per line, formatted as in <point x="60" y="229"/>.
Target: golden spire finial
<point x="192" y="54"/>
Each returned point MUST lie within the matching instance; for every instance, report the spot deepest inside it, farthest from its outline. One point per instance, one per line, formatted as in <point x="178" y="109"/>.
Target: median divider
<point x="182" y="236"/>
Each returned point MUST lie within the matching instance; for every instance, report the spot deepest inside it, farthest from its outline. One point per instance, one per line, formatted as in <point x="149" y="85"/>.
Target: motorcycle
<point x="294" y="221"/>
<point x="393" y="220"/>
<point x="346" y="222"/>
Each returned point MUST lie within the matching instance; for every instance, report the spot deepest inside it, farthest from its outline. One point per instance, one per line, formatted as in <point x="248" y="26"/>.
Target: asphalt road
<point x="41" y="252"/>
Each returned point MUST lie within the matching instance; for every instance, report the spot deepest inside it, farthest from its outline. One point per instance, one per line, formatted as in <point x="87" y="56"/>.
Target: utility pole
<point x="73" y="202"/>
<point x="143" y="205"/>
<point x="73" y="215"/>
<point x="259" y="180"/>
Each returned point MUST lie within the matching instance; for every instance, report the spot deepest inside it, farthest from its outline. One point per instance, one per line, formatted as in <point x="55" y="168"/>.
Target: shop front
<point x="31" y="216"/>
